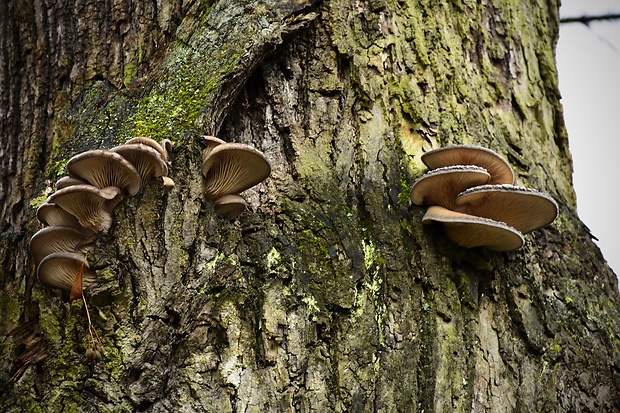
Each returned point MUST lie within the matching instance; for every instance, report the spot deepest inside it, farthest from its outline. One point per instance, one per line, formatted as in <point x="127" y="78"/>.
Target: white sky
<point x="588" y="60"/>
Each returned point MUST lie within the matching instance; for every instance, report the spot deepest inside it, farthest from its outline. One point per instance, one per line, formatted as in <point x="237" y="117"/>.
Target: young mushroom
<point x="498" y="168"/>
<point x="59" y="270"/>
<point x="232" y="168"/>
<point x="58" y="239"/>
<point x="441" y="186"/>
<point x="522" y="208"/>
<point x="90" y="205"/>
<point x="472" y="231"/>
<point x="230" y="206"/>
<point x="103" y="168"/>
<point x="210" y="142"/>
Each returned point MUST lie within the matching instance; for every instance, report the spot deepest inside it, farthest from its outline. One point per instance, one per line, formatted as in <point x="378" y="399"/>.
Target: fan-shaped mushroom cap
<point x="103" y="168"/>
<point x="52" y="215"/>
<point x="522" y="208"/>
<point x="471" y="231"/>
<point x="232" y="168"/>
<point x="59" y="270"/>
<point x="230" y="206"/>
<point x="498" y="168"/>
<point x="66" y="181"/>
<point x="168" y="184"/>
<point x="163" y="151"/>
<point x="441" y="186"/>
<point x="211" y="142"/>
<point x="90" y="205"/>
<point x="57" y="239"/>
<point x="147" y="161"/>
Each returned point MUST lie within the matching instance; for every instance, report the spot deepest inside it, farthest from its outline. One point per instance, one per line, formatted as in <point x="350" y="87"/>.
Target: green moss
<point x="403" y="196"/>
<point x="35" y="203"/>
<point x="58" y="169"/>
<point x="129" y="73"/>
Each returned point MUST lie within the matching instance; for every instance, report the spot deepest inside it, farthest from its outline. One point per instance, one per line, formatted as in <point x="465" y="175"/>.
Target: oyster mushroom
<point x="210" y="142"/>
<point x="230" y="206"/>
<point x="103" y="169"/>
<point x="146" y="160"/>
<point x="231" y="168"/>
<point x="161" y="148"/>
<point x="522" y="208"/>
<point x="59" y="270"/>
<point x="441" y="186"/>
<point x="498" y="168"/>
<point x="52" y="215"/>
<point x="90" y="205"/>
<point x="58" y="239"/>
<point x="472" y="231"/>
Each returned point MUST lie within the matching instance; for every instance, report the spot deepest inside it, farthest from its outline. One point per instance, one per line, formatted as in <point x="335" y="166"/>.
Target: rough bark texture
<point x="328" y="294"/>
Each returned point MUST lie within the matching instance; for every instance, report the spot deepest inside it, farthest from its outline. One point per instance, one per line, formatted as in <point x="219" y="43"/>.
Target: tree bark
<point x="328" y="294"/>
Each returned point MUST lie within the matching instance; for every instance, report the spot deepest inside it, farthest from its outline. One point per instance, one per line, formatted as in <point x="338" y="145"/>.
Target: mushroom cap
<point x="57" y="239"/>
<point x="441" y="186"/>
<point x="168" y="184"/>
<point x="232" y="168"/>
<point x="471" y="231"/>
<point x="230" y="206"/>
<point x="103" y="168"/>
<point x="498" y="168"/>
<point x="522" y="208"/>
<point x="167" y="145"/>
<point x="90" y="205"/>
<point x="211" y="142"/>
<point x="147" y="161"/>
<point x="59" y="269"/>
<point x="66" y="181"/>
<point x="163" y="152"/>
<point x="53" y="215"/>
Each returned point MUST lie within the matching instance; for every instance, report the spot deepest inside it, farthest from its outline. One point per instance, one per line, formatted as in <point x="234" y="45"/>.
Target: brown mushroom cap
<point x="163" y="151"/>
<point x="471" y="231"/>
<point x="59" y="270"/>
<point x="57" y="239"/>
<point x="522" y="208"/>
<point x="441" y="186"/>
<point x="167" y="145"/>
<point x="168" y="184"/>
<point x="230" y="206"/>
<point x="498" y="168"/>
<point x="232" y="168"/>
<point x="103" y="168"/>
<point x="53" y="215"/>
<point x="90" y="205"/>
<point x="66" y="181"/>
<point x="147" y="161"/>
<point x="211" y="142"/>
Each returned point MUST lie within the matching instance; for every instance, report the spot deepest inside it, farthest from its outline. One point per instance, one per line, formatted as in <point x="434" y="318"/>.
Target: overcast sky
<point x="588" y="60"/>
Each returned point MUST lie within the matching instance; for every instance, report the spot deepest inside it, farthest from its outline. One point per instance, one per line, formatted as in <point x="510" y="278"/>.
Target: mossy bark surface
<point x="328" y="294"/>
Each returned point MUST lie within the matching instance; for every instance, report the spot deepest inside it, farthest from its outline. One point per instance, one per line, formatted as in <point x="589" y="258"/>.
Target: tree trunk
<point x="328" y="294"/>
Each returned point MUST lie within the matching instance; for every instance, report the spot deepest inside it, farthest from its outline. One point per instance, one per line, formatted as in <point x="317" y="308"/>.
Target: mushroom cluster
<point x="471" y="191"/>
<point x="229" y="169"/>
<point x="81" y="207"/>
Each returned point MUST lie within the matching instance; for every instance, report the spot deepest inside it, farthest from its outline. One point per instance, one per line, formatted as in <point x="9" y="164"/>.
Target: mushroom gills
<point x="522" y="208"/>
<point x="230" y="206"/>
<point x="441" y="186"/>
<point x="472" y="231"/>
<point x="59" y="270"/>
